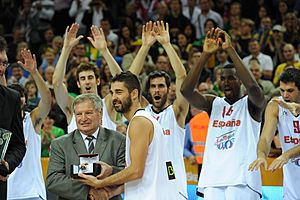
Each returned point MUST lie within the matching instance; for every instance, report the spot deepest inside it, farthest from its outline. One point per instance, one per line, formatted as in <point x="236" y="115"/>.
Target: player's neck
<point x="158" y="110"/>
<point x="135" y="106"/>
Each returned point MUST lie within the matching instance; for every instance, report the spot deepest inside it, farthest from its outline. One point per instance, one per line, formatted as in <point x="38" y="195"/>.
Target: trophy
<point x="4" y="140"/>
<point x="87" y="165"/>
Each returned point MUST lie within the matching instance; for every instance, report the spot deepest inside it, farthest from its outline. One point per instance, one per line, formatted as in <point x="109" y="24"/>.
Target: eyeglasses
<point x="4" y="64"/>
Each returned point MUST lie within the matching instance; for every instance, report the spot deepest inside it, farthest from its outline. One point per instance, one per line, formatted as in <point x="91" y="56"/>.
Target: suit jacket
<point x="110" y="145"/>
<point x="10" y="119"/>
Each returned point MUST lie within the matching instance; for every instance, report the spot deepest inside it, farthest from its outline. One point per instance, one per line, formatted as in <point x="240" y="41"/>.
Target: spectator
<point x="282" y="9"/>
<point x="49" y="71"/>
<point x="192" y="12"/>
<point x="160" y="13"/>
<point x="32" y="92"/>
<point x="276" y="45"/>
<point x="266" y="85"/>
<point x="177" y="21"/>
<point x="48" y="133"/>
<point x="109" y="34"/>
<point x="95" y="14"/>
<point x="77" y="10"/>
<point x="208" y="13"/>
<point x="264" y="60"/>
<point x="264" y="34"/>
<point x="246" y="30"/>
<point x="17" y="75"/>
<point x="291" y="23"/>
<point x="289" y="56"/>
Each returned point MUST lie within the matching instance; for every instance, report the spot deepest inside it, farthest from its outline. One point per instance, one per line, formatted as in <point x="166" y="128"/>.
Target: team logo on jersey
<point x="167" y="131"/>
<point x="230" y="123"/>
<point x="225" y="141"/>
<point x="170" y="170"/>
<point x="296" y="161"/>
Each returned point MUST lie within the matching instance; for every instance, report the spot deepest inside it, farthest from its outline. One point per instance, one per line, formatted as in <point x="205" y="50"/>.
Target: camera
<point x="87" y="165"/>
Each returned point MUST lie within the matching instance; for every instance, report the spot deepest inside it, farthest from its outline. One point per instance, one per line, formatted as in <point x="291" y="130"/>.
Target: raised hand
<point x="70" y="39"/>
<point x="29" y="61"/>
<point x="148" y="34"/>
<point x="278" y="163"/>
<point x="98" y="40"/>
<point x="294" y="108"/>
<point x="212" y="41"/>
<point x="255" y="165"/>
<point x="224" y="39"/>
<point x="162" y="32"/>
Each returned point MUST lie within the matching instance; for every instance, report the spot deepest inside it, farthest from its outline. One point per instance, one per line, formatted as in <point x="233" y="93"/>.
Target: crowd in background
<point x="266" y="34"/>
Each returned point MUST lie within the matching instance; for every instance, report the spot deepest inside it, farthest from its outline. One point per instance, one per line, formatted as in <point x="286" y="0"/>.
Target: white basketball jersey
<point x="106" y="121"/>
<point x="289" y="132"/>
<point x="27" y="181"/>
<point x="230" y="147"/>
<point x="174" y="141"/>
<point x="155" y="183"/>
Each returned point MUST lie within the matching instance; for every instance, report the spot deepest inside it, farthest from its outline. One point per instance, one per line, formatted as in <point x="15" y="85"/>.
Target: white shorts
<point x="236" y="192"/>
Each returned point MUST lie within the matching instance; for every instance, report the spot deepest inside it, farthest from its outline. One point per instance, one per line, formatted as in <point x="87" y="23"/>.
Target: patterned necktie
<point x="91" y="144"/>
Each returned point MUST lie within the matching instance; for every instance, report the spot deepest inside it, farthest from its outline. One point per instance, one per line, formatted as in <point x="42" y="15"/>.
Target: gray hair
<point x="94" y="98"/>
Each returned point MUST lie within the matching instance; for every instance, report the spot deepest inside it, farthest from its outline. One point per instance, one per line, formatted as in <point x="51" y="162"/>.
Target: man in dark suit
<point x="108" y="144"/>
<point x="10" y="119"/>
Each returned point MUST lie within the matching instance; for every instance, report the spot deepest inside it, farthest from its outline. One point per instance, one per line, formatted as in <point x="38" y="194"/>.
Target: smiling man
<point x="288" y="125"/>
<point x="108" y="144"/>
<point x="147" y="161"/>
<point x="234" y="125"/>
<point x="88" y="77"/>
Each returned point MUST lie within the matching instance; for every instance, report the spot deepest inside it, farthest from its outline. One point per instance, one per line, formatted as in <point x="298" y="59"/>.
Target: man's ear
<point x="98" y="81"/>
<point x="78" y="84"/>
<point x="134" y="94"/>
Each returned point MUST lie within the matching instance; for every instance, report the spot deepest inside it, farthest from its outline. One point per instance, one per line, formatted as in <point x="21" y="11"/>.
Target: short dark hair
<point x="20" y="89"/>
<point x="157" y="74"/>
<point x="15" y="65"/>
<point x="211" y="20"/>
<point x="3" y="44"/>
<point x="253" y="40"/>
<point x="229" y="66"/>
<point x="32" y="82"/>
<point x="130" y="81"/>
<point x="291" y="75"/>
<point x="87" y="67"/>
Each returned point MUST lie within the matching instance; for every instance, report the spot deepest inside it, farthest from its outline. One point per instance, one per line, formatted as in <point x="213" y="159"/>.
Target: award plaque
<point x="87" y="165"/>
<point x="4" y="140"/>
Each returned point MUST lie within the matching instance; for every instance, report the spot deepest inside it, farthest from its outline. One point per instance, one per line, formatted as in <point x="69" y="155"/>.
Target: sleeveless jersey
<point x="27" y="181"/>
<point x="155" y="183"/>
<point x="289" y="133"/>
<point x="106" y="121"/>
<point x="174" y="141"/>
<point x="230" y="147"/>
